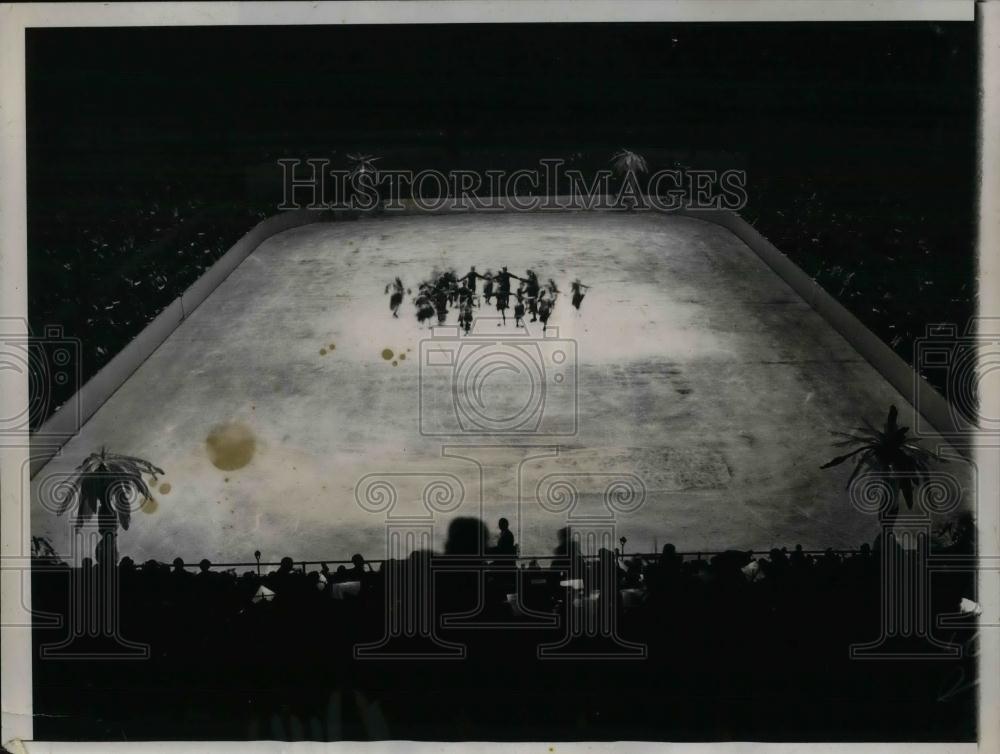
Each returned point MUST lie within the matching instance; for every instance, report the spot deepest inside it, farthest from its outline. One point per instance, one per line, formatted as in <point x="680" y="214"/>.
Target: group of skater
<point x="445" y="291"/>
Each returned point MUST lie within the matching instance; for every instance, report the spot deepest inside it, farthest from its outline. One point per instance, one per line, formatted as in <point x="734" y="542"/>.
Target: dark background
<point x="858" y="139"/>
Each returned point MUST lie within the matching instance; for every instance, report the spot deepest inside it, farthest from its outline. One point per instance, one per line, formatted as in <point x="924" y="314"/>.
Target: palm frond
<point x="891" y="451"/>
<point x="870" y="427"/>
<point x="859" y="436"/>
<point x="850" y="441"/>
<point x="627" y="161"/>
<point x="841" y="459"/>
<point x="105" y="484"/>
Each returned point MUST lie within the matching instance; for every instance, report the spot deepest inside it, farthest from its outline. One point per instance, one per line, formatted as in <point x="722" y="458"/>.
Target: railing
<point x="494" y="559"/>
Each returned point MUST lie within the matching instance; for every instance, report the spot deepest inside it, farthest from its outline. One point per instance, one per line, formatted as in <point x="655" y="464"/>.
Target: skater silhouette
<point x="503" y="280"/>
<point x="466" y="302"/>
<point x="441" y="299"/>
<point x="397" y="296"/>
<point x="502" y="302"/>
<point x="446" y="290"/>
<point x="469" y="279"/>
<point x="487" y="286"/>
<point x="519" y="314"/>
<point x="448" y="284"/>
<point x="578" y="293"/>
<point x="545" y="305"/>
<point x="424" y="303"/>
<point x="531" y="290"/>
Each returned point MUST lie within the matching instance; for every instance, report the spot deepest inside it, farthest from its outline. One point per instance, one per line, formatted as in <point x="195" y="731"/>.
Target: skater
<point x="519" y="314"/>
<point x="502" y="302"/>
<point x="425" y="310"/>
<point x="544" y="310"/>
<point x="553" y="290"/>
<point x="503" y="281"/>
<point x="465" y="316"/>
<point x="466" y="303"/>
<point x="531" y="291"/>
<point x="397" y="296"/>
<point x="448" y="283"/>
<point x="578" y="293"/>
<point x="441" y="300"/>
<point x="487" y="286"/>
<point x="469" y="279"/>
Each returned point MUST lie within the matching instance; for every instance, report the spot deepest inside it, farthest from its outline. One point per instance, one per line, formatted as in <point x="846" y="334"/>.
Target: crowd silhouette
<point x="447" y="291"/>
<point x="722" y="628"/>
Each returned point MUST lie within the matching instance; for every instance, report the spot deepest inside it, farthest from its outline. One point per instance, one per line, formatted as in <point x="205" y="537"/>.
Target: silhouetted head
<point x="466" y="536"/>
<point x="357" y="561"/>
<point x="126" y="564"/>
<point x="178" y="564"/>
<point x="205" y="565"/>
<point x="286" y="565"/>
<point x="504" y="524"/>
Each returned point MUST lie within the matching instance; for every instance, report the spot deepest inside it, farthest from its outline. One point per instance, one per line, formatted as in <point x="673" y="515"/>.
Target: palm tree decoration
<point x="104" y="485"/>
<point x="627" y="162"/>
<point x="362" y="164"/>
<point x="889" y="452"/>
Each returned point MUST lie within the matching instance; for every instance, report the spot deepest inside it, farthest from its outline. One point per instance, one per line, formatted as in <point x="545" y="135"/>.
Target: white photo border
<point x="15" y="686"/>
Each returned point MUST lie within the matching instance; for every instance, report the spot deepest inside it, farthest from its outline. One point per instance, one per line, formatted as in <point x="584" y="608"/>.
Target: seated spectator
<point x="467" y="536"/>
<point x="633" y="573"/>
<point x="664" y="574"/>
<point x="799" y="558"/>
<point x="357" y="572"/>
<point x="776" y="565"/>
<point x="567" y="552"/>
<point x="505" y="541"/>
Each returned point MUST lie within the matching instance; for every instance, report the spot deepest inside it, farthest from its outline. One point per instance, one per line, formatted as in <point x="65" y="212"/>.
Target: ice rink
<point x="689" y="401"/>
